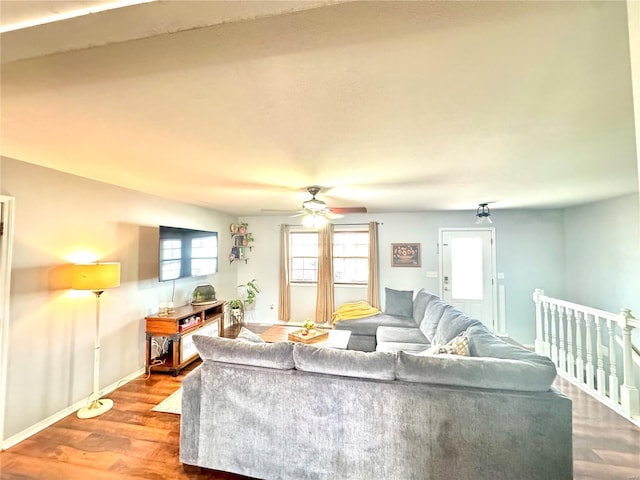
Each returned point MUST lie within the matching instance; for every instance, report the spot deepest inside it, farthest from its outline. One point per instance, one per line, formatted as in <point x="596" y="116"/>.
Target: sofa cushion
<point x="432" y="315"/>
<point x="420" y="304"/>
<point x="398" y="302"/>
<point x="369" y="325"/>
<point x="347" y="363"/>
<point x="395" y="347"/>
<point x="270" y="355"/>
<point x="457" y="346"/>
<point x="400" y="334"/>
<point x="479" y="372"/>
<point x="483" y="343"/>
<point x="248" y="336"/>
<point x="452" y="323"/>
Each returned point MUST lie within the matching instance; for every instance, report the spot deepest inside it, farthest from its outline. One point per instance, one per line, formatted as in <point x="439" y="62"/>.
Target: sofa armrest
<point x="190" y="417"/>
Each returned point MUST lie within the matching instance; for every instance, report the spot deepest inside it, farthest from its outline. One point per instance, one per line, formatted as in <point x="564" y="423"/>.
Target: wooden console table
<point x="177" y="328"/>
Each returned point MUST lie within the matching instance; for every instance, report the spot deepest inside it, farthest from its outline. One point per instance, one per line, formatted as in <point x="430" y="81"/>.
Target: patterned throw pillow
<point x="457" y="346"/>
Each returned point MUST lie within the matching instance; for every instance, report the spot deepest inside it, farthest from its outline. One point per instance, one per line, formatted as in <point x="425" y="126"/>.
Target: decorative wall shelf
<point x="241" y="240"/>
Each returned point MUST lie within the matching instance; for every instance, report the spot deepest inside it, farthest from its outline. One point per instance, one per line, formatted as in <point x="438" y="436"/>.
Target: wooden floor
<point x="132" y="442"/>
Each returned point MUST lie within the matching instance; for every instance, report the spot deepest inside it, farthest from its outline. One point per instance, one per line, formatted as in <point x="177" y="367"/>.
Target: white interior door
<point x="468" y="272"/>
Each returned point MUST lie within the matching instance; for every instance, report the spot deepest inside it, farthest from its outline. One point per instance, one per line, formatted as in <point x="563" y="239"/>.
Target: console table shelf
<point x="177" y="328"/>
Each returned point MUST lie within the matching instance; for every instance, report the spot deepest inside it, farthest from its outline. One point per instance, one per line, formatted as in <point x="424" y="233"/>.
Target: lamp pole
<point x="97" y="406"/>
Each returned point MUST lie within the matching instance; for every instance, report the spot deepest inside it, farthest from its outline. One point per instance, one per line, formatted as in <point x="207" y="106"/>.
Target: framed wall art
<point x="405" y="255"/>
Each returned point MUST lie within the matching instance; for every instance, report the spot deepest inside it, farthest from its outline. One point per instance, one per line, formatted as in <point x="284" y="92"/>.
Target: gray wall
<point x="61" y="219"/>
<point x="603" y="260"/>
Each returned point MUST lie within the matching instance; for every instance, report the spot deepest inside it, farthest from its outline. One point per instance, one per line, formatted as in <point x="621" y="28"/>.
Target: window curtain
<point x="325" y="302"/>
<point x="284" y="302"/>
<point x="373" y="289"/>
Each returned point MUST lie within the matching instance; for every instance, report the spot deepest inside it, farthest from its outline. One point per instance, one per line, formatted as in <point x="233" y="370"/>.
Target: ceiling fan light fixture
<point x="314" y="221"/>
<point x="314" y="205"/>
<point x="483" y="214"/>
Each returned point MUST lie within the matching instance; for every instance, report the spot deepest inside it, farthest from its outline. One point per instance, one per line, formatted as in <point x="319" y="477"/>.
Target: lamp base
<point x="95" y="408"/>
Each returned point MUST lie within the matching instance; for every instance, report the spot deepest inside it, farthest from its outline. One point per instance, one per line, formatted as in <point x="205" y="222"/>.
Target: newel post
<point x="629" y="395"/>
<point x="539" y="342"/>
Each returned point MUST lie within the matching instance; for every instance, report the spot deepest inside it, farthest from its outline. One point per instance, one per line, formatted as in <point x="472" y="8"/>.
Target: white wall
<point x="603" y="262"/>
<point x="58" y="218"/>
<point x="530" y="252"/>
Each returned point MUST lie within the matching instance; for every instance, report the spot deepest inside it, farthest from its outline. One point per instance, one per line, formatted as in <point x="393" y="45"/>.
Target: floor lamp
<point x="96" y="277"/>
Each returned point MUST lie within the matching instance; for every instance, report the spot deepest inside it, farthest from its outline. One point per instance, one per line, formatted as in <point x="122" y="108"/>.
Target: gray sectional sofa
<point x="295" y="411"/>
<point x="400" y="312"/>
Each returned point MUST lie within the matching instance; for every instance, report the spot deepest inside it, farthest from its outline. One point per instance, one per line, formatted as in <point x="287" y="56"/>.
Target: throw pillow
<point x="398" y="302"/>
<point x="247" y="335"/>
<point x="457" y="346"/>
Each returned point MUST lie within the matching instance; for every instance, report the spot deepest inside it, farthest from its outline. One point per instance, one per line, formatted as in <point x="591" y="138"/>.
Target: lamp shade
<point x="95" y="276"/>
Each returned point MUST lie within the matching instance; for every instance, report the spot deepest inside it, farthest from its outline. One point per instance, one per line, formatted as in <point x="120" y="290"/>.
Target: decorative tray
<point x="312" y="336"/>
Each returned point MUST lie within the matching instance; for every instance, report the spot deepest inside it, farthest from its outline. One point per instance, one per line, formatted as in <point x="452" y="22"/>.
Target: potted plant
<point x="251" y="290"/>
<point x="236" y="307"/>
<point x="249" y="237"/>
<point x="242" y="227"/>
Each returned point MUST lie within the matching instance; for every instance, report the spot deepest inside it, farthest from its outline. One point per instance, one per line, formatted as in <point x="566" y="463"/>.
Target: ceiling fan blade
<point x="333" y="216"/>
<point x="342" y="210"/>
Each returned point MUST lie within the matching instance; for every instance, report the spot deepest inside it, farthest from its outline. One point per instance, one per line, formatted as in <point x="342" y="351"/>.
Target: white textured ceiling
<point x="396" y="106"/>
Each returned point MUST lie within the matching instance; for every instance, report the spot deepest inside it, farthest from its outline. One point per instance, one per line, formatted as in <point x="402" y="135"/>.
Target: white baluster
<point x="554" y="337"/>
<point x="547" y="332"/>
<point x="589" y="372"/>
<point x="539" y="343"/>
<point x="613" y="374"/>
<point x="571" y="365"/>
<point x="600" y="373"/>
<point x="562" y="354"/>
<point x="579" y="358"/>
<point x="629" y="396"/>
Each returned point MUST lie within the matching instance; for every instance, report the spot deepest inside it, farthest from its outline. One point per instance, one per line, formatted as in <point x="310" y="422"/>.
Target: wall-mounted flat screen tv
<point x="187" y="253"/>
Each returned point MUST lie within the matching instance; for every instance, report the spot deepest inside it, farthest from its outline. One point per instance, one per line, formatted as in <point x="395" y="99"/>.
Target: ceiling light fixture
<point x="313" y="204"/>
<point x="483" y="214"/>
<point x="313" y="220"/>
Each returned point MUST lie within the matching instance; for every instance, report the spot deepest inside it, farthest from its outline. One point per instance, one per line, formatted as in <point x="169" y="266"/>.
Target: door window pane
<point x="466" y="268"/>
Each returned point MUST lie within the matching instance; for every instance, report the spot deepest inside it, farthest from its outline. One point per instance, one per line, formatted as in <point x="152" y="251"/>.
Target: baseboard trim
<point x="47" y="422"/>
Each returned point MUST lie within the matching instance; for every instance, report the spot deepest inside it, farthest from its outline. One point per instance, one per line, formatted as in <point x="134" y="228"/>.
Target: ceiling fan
<point x="315" y="207"/>
<point x="316" y="212"/>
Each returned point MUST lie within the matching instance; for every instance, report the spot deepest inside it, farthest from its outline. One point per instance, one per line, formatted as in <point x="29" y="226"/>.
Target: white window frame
<point x="315" y="232"/>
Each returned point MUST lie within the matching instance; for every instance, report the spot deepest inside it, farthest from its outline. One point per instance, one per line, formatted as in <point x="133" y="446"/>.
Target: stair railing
<point x="585" y="344"/>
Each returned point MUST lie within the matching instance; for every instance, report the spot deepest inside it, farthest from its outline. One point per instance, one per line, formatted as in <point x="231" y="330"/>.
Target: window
<point x="304" y="256"/>
<point x="350" y="257"/>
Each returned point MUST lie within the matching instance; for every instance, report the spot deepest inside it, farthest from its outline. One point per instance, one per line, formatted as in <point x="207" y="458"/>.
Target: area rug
<point x="171" y="404"/>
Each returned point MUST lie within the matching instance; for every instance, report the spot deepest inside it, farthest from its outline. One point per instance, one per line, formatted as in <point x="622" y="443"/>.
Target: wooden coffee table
<point x="279" y="333"/>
